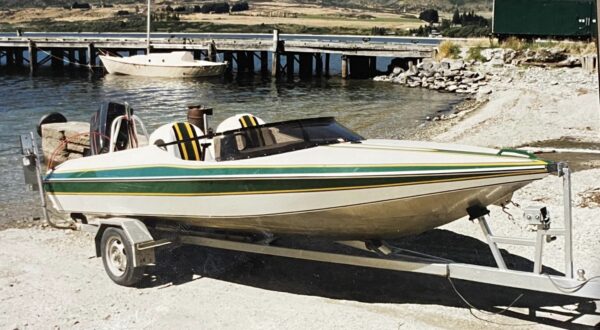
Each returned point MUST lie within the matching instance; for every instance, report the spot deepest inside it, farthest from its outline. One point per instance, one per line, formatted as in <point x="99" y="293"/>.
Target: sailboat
<point x="174" y="64"/>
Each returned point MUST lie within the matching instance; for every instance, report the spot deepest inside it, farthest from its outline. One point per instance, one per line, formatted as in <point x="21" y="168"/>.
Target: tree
<point x="456" y="17"/>
<point x="430" y="16"/>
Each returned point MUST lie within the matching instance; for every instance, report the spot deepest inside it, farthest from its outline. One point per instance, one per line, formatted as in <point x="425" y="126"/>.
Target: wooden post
<point x="264" y="63"/>
<point x="344" y="67"/>
<point x="228" y="56"/>
<point x="275" y="56"/>
<point x="19" y="57"/>
<point x="10" y="60"/>
<point x="32" y="50"/>
<point x="306" y="65"/>
<point x="212" y="52"/>
<point x="91" y="53"/>
<point x="71" y="57"/>
<point x="250" y="62"/>
<point x="372" y="66"/>
<point x="318" y="64"/>
<point x="82" y="56"/>
<point x="241" y="61"/>
<point x="290" y="58"/>
<point x="327" y="58"/>
<point x="275" y="64"/>
<point x="57" y="58"/>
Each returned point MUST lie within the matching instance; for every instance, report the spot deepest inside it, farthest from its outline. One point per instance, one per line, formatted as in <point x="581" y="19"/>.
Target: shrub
<point x="429" y="16"/>
<point x="448" y="49"/>
<point x="215" y="7"/>
<point x="514" y="43"/>
<point x="474" y="53"/>
<point x="240" y="6"/>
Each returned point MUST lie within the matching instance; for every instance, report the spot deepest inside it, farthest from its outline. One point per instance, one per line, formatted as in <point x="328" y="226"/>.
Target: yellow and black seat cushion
<point x="255" y="136"/>
<point x="188" y="144"/>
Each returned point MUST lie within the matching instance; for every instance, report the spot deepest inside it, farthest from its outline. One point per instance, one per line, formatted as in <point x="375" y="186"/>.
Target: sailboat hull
<point x="183" y="69"/>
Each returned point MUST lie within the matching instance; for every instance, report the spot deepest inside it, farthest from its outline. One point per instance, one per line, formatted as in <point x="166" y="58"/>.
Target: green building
<point x="563" y="19"/>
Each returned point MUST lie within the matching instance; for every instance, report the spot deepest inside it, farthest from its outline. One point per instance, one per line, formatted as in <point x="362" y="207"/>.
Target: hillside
<point x="379" y="5"/>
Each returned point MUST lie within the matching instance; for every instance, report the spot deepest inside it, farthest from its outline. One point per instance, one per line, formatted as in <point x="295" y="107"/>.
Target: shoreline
<point x="235" y="289"/>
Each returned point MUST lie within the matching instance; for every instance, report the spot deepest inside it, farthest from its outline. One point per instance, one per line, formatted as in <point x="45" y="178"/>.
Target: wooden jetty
<point x="358" y="56"/>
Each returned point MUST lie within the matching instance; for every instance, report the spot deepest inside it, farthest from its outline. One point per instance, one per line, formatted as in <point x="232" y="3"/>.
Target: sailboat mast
<point x="148" y="30"/>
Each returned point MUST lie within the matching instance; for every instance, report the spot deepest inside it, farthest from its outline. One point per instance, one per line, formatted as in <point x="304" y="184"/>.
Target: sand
<point x="50" y="278"/>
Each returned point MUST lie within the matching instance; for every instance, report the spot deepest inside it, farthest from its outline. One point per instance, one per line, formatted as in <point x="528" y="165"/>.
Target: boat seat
<point x="188" y="149"/>
<point x="239" y="121"/>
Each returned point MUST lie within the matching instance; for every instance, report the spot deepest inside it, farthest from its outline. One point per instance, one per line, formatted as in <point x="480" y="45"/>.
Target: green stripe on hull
<point x="174" y="172"/>
<point x="253" y="186"/>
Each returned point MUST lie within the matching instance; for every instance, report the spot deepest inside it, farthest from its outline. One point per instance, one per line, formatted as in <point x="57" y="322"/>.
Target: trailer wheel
<point x="117" y="257"/>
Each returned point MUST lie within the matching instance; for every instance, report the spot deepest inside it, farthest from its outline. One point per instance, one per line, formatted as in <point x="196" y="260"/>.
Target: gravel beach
<point x="50" y="278"/>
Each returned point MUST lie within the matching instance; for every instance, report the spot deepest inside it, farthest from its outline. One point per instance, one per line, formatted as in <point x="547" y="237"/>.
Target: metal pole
<point x="565" y="172"/>
<point x="38" y="170"/>
<point x="148" y="29"/>
<point x="597" y="43"/>
<point x="493" y="246"/>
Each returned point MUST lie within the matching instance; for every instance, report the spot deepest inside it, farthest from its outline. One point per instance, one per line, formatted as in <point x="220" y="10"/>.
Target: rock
<point x="444" y="65"/>
<point x="451" y="88"/>
<point x="449" y="73"/>
<point x="457" y="65"/>
<point x="497" y="62"/>
<point x="397" y="70"/>
<point x="469" y="74"/>
<point x="401" y="79"/>
<point x="554" y="83"/>
<point x="509" y="55"/>
<point x="551" y="55"/>
<point x="381" y="78"/>
<point x="485" y="90"/>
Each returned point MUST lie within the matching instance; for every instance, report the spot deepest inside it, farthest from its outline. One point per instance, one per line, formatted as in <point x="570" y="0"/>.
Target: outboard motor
<point x="100" y="128"/>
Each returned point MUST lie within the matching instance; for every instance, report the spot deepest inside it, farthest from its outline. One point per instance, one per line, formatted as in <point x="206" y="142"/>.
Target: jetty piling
<point x="313" y="56"/>
<point x="264" y="63"/>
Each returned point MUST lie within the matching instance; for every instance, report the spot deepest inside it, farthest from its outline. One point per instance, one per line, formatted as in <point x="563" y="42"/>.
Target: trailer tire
<point x="117" y="257"/>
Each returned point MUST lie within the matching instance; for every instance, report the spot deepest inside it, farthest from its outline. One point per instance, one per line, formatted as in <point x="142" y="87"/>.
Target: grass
<point x="138" y="24"/>
<point x="571" y="47"/>
<point x="474" y="53"/>
<point x="448" y="49"/>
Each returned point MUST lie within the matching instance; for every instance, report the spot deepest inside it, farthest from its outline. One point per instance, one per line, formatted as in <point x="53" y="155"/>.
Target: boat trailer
<point x="127" y="245"/>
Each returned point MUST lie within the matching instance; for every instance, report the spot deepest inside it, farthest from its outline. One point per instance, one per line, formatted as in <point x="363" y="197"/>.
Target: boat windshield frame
<point x="328" y="131"/>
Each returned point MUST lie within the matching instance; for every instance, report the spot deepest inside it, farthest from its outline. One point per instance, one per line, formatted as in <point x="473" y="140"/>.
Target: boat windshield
<point x="275" y="138"/>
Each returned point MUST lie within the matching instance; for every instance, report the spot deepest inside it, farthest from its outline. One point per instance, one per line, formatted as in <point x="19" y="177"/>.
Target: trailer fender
<point x="138" y="235"/>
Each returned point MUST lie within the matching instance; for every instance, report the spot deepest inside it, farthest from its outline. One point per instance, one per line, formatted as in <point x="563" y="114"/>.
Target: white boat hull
<point x="136" y="66"/>
<point x="371" y="190"/>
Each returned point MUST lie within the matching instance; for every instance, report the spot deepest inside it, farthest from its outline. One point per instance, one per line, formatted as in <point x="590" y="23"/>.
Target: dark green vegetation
<point x="467" y="24"/>
<point x="542" y="18"/>
<point x="429" y="16"/>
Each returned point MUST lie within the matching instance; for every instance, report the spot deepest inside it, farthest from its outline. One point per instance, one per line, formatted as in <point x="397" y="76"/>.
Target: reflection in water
<point x="374" y="110"/>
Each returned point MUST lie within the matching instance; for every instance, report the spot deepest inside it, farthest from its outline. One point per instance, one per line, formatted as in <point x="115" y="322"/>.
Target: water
<point x="375" y="110"/>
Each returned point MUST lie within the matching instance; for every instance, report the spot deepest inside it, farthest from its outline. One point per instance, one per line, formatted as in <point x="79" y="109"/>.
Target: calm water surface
<point x="374" y="110"/>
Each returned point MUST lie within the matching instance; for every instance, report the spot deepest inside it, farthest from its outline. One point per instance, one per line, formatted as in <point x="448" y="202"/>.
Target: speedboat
<point x="297" y="177"/>
<point x="172" y="65"/>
